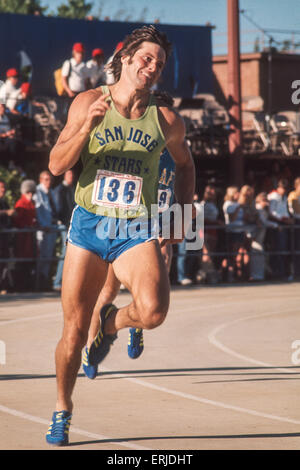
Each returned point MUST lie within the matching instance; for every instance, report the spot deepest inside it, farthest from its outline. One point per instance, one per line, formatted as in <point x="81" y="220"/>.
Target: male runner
<point x="112" y="284"/>
<point x="119" y="132"/>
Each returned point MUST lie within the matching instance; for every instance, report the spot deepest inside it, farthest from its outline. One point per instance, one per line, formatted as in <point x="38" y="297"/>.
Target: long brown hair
<point x="132" y="43"/>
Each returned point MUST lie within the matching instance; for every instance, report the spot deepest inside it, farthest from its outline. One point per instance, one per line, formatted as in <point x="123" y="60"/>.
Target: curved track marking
<point x="176" y="393"/>
<point x="212" y="339"/>
<point x="206" y="401"/>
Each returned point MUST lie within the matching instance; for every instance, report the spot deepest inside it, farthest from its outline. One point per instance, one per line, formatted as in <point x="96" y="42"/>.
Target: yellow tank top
<point x="121" y="164"/>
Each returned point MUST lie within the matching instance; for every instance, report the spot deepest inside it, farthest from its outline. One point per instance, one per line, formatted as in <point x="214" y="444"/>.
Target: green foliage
<point x="74" y="9"/>
<point x="12" y="179"/>
<point x="25" y="7"/>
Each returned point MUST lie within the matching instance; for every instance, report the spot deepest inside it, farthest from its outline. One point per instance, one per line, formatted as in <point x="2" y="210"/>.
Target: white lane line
<point x="172" y="310"/>
<point x="164" y="389"/>
<point x="38" y="317"/>
<point x="82" y="432"/>
<point x="206" y="401"/>
<point x="218" y="344"/>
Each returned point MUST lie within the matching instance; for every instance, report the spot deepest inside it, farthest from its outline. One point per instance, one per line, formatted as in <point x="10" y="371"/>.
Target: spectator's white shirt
<point x="9" y="95"/>
<point x="278" y="205"/>
<point x="76" y="73"/>
<point x="96" y="73"/>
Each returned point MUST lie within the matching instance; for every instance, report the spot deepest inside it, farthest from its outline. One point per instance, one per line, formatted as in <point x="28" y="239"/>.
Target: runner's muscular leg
<point x="107" y="295"/>
<point x="84" y="274"/>
<point x="143" y="271"/>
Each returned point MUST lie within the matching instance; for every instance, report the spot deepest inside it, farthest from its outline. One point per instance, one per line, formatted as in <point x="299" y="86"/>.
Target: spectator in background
<point x="280" y="239"/>
<point x="64" y="202"/>
<point x="9" y="92"/>
<point x="241" y="218"/>
<point x="109" y="75"/>
<point x="23" y="113"/>
<point x="294" y="209"/>
<point x="184" y="276"/>
<point x="230" y="200"/>
<point x="6" y="215"/>
<point x="23" y="106"/>
<point x="187" y="261"/>
<point x="96" y="68"/>
<point x="278" y="172"/>
<point x="247" y="202"/>
<point x="46" y="220"/>
<point x="75" y="74"/>
<point x="258" y="257"/>
<point x="211" y="217"/>
<point x="26" y="101"/>
<point x="7" y="134"/>
<point x="250" y="220"/>
<point x="25" y="246"/>
<point x="235" y="234"/>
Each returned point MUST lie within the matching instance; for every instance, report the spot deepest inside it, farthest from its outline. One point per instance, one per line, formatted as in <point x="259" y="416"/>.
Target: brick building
<point x="285" y="68"/>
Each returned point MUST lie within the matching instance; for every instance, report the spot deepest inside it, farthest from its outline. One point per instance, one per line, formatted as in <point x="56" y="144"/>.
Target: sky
<point x="266" y="15"/>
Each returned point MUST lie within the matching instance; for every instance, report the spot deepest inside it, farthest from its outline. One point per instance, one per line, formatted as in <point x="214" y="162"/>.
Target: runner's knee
<point x="153" y="320"/>
<point x="75" y="339"/>
<point x="153" y="314"/>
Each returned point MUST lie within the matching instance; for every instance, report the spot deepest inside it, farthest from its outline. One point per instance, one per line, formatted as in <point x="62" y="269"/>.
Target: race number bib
<point x="164" y="197"/>
<point x="117" y="190"/>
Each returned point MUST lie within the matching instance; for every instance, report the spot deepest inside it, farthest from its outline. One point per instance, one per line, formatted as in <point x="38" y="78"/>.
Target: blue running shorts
<point x="109" y="237"/>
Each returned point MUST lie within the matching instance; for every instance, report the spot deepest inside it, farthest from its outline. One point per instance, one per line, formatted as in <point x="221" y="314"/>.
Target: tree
<point x="74" y="9"/>
<point x="24" y="7"/>
<point x="12" y="179"/>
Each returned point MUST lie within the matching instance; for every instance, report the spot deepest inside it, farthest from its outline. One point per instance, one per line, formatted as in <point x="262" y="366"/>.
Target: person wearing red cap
<point x="23" y="106"/>
<point x="75" y="75"/>
<point x="26" y="100"/>
<point x="12" y="73"/>
<point x="9" y="93"/>
<point x="96" y="68"/>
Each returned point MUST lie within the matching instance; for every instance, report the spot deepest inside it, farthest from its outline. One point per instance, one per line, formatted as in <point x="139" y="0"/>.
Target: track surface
<point x="220" y="373"/>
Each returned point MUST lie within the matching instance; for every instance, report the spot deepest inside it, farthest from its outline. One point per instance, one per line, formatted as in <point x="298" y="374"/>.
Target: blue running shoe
<point x="89" y="370"/>
<point x="102" y="343"/>
<point x="58" y="432"/>
<point x="135" y="343"/>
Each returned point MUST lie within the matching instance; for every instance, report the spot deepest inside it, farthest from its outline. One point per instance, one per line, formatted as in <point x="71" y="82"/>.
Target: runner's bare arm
<point x="86" y="111"/>
<point x="184" y="187"/>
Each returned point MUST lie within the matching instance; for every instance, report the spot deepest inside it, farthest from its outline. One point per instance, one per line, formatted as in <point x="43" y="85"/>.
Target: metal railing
<point x="292" y="251"/>
<point x="12" y="260"/>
